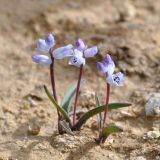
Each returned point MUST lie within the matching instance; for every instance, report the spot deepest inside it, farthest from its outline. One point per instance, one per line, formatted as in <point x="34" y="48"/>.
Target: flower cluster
<point x="46" y="54"/>
<point x="77" y="54"/>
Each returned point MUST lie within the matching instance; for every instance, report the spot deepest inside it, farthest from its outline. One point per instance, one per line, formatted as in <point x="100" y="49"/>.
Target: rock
<point x="153" y="134"/>
<point x="152" y="107"/>
<point x="33" y="129"/>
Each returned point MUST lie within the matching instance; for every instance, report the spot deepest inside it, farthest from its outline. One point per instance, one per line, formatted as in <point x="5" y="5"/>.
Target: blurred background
<point x="128" y="30"/>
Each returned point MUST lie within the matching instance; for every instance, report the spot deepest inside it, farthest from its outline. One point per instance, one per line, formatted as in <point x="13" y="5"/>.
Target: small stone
<point x="152" y="107"/>
<point x="33" y="129"/>
<point x="153" y="134"/>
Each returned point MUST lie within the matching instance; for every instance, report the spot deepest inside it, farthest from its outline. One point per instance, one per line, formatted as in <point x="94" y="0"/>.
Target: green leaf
<point x="99" y="116"/>
<point x="60" y="109"/>
<point x="106" y="131"/>
<point x="66" y="102"/>
<point x="97" y="110"/>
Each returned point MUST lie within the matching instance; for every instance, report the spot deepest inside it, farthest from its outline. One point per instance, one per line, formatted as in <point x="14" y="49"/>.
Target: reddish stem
<point x="77" y="94"/>
<point x="54" y="88"/>
<point x="107" y="101"/>
<point x="52" y="78"/>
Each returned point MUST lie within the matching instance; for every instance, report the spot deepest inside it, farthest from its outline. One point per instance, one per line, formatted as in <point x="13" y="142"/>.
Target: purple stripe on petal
<point x="41" y="59"/>
<point x="50" y="40"/>
<point x="91" y="52"/>
<point x="108" y="59"/>
<point x="80" y="44"/>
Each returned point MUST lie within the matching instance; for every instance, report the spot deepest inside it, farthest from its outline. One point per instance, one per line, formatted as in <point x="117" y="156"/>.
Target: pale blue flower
<point x="81" y="53"/>
<point x="108" y="68"/>
<point x="41" y="59"/>
<point x="44" y="45"/>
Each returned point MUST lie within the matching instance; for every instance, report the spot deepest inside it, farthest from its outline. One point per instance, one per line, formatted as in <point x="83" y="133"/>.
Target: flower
<point x="45" y="45"/>
<point x="81" y="52"/>
<point x="108" y="68"/>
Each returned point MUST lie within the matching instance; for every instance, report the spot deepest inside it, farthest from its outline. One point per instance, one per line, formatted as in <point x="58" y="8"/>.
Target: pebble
<point x="33" y="129"/>
<point x="152" y="107"/>
<point x="153" y="134"/>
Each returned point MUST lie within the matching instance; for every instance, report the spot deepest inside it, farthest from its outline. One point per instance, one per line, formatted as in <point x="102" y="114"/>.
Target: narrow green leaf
<point x="60" y="109"/>
<point x="99" y="116"/>
<point x="97" y="110"/>
<point x="106" y="131"/>
<point x="66" y="102"/>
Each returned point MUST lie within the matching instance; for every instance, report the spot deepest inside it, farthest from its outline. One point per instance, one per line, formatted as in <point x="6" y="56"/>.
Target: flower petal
<point x="41" y="59"/>
<point x="77" y="59"/>
<point x="50" y="41"/>
<point x="108" y="59"/>
<point x="80" y="45"/>
<point x="63" y="52"/>
<point x="109" y="65"/>
<point x="116" y="79"/>
<point x="42" y="46"/>
<point x="91" y="52"/>
<point x="101" y="67"/>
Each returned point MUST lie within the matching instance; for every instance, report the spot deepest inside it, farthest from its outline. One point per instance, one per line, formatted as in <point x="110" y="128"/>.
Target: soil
<point x="128" y="30"/>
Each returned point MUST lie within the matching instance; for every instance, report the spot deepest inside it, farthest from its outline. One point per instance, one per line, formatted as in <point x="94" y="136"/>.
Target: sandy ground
<point x="128" y="30"/>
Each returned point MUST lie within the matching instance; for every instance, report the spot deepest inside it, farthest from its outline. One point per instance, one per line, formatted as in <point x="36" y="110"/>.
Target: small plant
<point x="117" y="79"/>
<point x="78" y="55"/>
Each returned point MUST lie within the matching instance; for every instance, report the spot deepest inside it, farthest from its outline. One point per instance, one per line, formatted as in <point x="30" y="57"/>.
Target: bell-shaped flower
<point x="63" y="52"/>
<point x="77" y="59"/>
<point x="41" y="59"/>
<point x="81" y="53"/>
<point x="108" y="68"/>
<point x="44" y="45"/>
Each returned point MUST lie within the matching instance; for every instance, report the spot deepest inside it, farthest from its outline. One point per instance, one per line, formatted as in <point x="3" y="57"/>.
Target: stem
<point x="52" y="78"/>
<point x="54" y="88"/>
<point x="77" y="94"/>
<point x="107" y="101"/>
